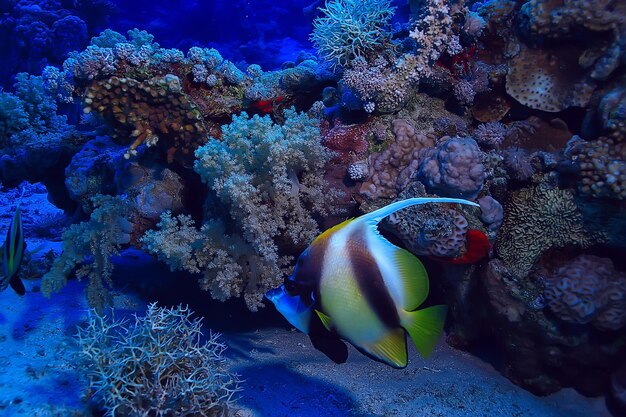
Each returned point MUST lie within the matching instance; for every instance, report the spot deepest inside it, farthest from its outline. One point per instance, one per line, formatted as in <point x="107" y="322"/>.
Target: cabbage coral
<point x="352" y="28"/>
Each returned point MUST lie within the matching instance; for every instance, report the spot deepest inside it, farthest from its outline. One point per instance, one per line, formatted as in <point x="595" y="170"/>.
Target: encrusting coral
<point x="454" y="169"/>
<point x="157" y="365"/>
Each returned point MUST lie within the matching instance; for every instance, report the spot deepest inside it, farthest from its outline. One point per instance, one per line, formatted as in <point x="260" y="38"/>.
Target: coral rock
<point x="587" y="289"/>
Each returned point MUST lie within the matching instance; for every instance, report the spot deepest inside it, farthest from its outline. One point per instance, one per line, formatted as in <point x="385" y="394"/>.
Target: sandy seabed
<point x="283" y="375"/>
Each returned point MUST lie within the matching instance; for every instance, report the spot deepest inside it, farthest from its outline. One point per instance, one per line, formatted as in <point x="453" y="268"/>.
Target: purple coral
<point x="454" y="169"/>
<point x="492" y="212"/>
<point x="490" y="134"/>
<point x="588" y="289"/>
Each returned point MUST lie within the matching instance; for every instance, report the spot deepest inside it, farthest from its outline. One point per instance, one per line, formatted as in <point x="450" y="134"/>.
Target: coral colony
<point x="225" y="172"/>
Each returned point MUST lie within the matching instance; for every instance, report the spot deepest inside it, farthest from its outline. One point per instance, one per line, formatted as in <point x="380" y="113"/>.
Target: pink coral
<point x="392" y="169"/>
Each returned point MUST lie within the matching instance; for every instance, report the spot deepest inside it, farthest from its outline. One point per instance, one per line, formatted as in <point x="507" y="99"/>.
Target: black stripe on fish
<point x="370" y="280"/>
<point x="307" y="273"/>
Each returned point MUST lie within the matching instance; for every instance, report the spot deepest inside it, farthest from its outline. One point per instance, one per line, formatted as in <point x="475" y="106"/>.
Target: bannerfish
<point x="363" y="289"/>
<point x="13" y="251"/>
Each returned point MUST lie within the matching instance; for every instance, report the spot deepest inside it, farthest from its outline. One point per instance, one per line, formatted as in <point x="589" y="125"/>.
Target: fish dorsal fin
<point x="328" y="232"/>
<point x="326" y="321"/>
<point x="413" y="279"/>
<point x="376" y="216"/>
<point x="390" y="349"/>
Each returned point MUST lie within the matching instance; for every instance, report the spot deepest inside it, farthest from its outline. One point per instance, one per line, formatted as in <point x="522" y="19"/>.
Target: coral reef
<point x="89" y="245"/>
<point x="587" y="289"/>
<point x="538" y="219"/>
<point x="154" y="112"/>
<point x="266" y="184"/>
<point x="351" y="29"/>
<point x="391" y="170"/>
<point x="454" y="169"/>
<point x="159" y="364"/>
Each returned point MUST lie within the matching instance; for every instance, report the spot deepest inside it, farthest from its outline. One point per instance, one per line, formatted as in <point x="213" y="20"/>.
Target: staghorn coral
<point x="391" y="170"/>
<point x="538" y="219"/>
<point x="266" y="183"/>
<point x="157" y="365"/>
<point x="588" y="289"/>
<point x="351" y="29"/>
<point x="454" y="169"/>
<point x="151" y="112"/>
<point x="90" y="245"/>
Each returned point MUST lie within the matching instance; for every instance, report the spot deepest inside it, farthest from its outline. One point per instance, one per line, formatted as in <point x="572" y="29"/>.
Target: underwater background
<point x="175" y="180"/>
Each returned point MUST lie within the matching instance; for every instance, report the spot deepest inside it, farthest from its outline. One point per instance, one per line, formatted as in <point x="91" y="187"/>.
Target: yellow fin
<point x="425" y="327"/>
<point x="391" y="349"/>
<point x="326" y="321"/>
<point x="414" y="278"/>
<point x="328" y="232"/>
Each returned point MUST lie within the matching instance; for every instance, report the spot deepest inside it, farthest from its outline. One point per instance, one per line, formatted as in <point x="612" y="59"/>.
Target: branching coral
<point x="267" y="185"/>
<point x="158" y="365"/>
<point x="384" y="83"/>
<point x="352" y="28"/>
<point x="90" y="245"/>
<point x="587" y="289"/>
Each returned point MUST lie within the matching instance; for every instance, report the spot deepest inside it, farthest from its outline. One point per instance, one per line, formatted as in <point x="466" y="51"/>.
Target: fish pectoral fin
<point x="17" y="285"/>
<point x="326" y="321"/>
<point x="414" y="279"/>
<point x="333" y="347"/>
<point x="425" y="327"/>
<point x="391" y="349"/>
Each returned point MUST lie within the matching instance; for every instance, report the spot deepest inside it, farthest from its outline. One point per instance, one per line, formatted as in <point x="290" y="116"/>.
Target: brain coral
<point x="549" y="79"/>
<point x="536" y="220"/>
<point x="454" y="169"/>
<point x="587" y="289"/>
<point x="431" y="229"/>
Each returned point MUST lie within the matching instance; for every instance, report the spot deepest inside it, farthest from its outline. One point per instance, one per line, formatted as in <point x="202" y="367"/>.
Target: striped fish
<point x="365" y="290"/>
<point x="13" y="252"/>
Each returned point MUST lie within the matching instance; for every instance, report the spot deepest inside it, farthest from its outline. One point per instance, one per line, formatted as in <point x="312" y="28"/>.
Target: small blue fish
<point x="353" y="284"/>
<point x="13" y="251"/>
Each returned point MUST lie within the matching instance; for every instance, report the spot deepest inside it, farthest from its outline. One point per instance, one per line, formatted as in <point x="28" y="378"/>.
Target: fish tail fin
<point x="425" y="327"/>
<point x="377" y="215"/>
